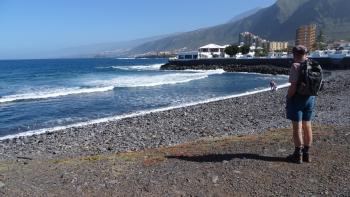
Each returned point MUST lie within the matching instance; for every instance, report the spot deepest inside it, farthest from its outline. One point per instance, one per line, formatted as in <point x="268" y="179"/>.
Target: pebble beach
<point x="236" y="116"/>
<point x="235" y="146"/>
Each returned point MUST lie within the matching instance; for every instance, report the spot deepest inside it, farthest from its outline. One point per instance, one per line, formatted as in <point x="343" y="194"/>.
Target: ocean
<point x="46" y="95"/>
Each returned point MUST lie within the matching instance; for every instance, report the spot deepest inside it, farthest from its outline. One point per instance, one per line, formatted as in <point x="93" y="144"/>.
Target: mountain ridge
<point x="277" y="22"/>
<point x="244" y="14"/>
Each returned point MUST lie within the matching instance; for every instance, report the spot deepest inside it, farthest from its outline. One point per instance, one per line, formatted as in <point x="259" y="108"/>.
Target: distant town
<point x="253" y="46"/>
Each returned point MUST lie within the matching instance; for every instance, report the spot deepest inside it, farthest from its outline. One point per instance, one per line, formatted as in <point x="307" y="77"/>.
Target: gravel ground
<point x="90" y="161"/>
<point x="251" y="165"/>
<point x="243" y="115"/>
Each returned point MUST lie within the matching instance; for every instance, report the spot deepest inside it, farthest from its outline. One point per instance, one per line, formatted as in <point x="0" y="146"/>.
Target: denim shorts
<point x="300" y="108"/>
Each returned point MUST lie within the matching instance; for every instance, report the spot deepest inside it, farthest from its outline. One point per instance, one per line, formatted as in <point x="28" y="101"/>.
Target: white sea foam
<point x="140" y="113"/>
<point x="139" y="67"/>
<point x="267" y="76"/>
<point x="95" y="86"/>
<point x="154" y="80"/>
<point x="125" y="58"/>
<point x="42" y="94"/>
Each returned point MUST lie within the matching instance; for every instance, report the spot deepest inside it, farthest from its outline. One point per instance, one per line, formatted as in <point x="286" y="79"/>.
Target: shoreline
<point x="250" y="114"/>
<point x="131" y="115"/>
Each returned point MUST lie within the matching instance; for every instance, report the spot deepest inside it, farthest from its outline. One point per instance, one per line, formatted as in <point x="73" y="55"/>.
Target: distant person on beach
<point x="273" y="85"/>
<point x="300" y="108"/>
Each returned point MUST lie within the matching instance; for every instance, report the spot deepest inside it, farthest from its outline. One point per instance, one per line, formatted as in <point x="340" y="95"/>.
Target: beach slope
<point x="234" y="146"/>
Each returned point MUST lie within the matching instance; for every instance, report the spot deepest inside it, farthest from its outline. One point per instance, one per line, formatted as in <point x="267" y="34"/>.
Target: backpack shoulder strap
<point x="313" y="63"/>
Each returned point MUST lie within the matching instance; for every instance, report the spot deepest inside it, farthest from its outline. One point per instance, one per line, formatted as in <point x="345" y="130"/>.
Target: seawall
<point x="271" y="66"/>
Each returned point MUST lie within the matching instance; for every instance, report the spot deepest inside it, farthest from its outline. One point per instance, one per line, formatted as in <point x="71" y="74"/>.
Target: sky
<point x="29" y="27"/>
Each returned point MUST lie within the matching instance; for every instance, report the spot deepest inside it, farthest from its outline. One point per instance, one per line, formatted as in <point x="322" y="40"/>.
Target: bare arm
<point x="292" y="89"/>
<point x="293" y="79"/>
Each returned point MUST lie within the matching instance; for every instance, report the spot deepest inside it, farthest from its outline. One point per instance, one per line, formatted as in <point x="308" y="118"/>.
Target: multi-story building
<point x="277" y="46"/>
<point x="306" y="35"/>
<point x="247" y="38"/>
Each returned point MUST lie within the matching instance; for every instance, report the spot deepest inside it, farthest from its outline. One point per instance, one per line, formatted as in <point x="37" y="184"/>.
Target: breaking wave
<point x="139" y="67"/>
<point x="139" y="113"/>
<point x="109" y="84"/>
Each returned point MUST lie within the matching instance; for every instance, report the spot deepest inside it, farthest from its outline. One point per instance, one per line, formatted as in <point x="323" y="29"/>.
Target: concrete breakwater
<point x="265" y="66"/>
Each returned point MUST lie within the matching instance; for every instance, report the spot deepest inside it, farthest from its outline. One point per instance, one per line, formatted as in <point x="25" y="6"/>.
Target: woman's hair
<point x="299" y="50"/>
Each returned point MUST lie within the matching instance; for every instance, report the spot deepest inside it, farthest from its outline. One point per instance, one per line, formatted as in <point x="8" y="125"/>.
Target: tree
<point x="232" y="50"/>
<point x="245" y="49"/>
<point x="260" y="53"/>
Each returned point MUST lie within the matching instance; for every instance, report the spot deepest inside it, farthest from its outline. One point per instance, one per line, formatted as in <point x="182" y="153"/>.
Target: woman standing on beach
<point x="299" y="110"/>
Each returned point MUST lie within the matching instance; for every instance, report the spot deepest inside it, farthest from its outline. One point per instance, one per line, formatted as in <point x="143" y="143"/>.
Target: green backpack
<point x="310" y="78"/>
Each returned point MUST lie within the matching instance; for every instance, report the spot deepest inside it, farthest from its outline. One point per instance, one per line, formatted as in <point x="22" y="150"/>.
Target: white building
<point x="345" y="46"/>
<point x="211" y="51"/>
<point x="249" y="55"/>
<point x="278" y="55"/>
<point x="338" y="54"/>
<point x="322" y="53"/>
<point x="192" y="55"/>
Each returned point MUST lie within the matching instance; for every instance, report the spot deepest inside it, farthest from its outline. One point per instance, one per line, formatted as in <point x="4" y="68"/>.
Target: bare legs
<point x="302" y="133"/>
<point x="307" y="133"/>
<point x="297" y="135"/>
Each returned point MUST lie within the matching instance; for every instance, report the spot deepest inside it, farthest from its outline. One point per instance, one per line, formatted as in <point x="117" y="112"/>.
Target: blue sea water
<point x="43" y="94"/>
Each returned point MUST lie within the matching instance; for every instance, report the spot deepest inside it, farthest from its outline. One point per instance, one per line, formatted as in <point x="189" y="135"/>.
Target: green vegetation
<point x="244" y="49"/>
<point x="260" y="53"/>
<point x="232" y="50"/>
